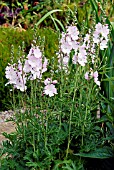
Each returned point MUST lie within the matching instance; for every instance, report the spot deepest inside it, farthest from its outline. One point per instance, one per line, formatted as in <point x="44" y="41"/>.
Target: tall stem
<point x="70" y="119"/>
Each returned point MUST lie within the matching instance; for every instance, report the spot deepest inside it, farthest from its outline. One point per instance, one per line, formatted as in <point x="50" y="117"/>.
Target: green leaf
<point x="101" y="153"/>
<point x="95" y="7"/>
<point x="54" y="23"/>
<point x="47" y="15"/>
<point x="109" y="138"/>
<point x="60" y="24"/>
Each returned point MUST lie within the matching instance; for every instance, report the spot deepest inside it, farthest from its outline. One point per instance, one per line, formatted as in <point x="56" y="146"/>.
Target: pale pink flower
<point x="87" y="75"/>
<point x="103" y="44"/>
<point x="27" y="67"/>
<point x="33" y="61"/>
<point x="105" y="30"/>
<point x="66" y="47"/>
<point x="98" y="27"/>
<point x="96" y="37"/>
<point x="54" y="81"/>
<point x="82" y="56"/>
<point x="16" y="77"/>
<point x="47" y="81"/>
<point x="44" y="68"/>
<point x="34" y="64"/>
<point x="36" y="73"/>
<point x="50" y="90"/>
<point x="75" y="59"/>
<point x="68" y="40"/>
<point x="65" y="60"/>
<point x="95" y="74"/>
<point x="73" y="32"/>
<point x="75" y="45"/>
<point x="35" y="51"/>
<point x="96" y="81"/>
<point x="11" y="74"/>
<point x="20" y="83"/>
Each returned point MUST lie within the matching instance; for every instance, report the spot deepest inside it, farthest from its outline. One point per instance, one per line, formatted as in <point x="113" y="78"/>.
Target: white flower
<point x="82" y="56"/>
<point x="11" y="74"/>
<point x="35" y="51"/>
<point x="50" y="90"/>
<point x="103" y="44"/>
<point x="47" y="81"/>
<point x="75" y="59"/>
<point x="27" y="67"/>
<point x="33" y="61"/>
<point x="95" y="76"/>
<point x="66" y="47"/>
<point x="87" y="75"/>
<point x="44" y="68"/>
<point x="73" y="32"/>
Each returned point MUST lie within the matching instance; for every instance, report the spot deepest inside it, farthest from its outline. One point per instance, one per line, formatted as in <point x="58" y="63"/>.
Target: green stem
<point x="71" y="113"/>
<point x="32" y="112"/>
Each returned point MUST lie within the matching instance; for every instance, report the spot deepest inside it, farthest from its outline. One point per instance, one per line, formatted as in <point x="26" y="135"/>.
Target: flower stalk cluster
<point x="33" y="68"/>
<point x="83" y="50"/>
<point x="36" y="64"/>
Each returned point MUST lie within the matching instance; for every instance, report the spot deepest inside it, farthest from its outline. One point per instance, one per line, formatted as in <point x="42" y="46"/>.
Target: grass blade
<point x="47" y="15"/>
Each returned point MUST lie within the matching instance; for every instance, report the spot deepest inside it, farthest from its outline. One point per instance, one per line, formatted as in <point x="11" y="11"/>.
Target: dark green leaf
<point x="101" y="153"/>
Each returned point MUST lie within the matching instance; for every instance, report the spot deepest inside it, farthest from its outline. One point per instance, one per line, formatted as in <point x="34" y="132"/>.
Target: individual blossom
<point x="47" y="81"/>
<point x="49" y="88"/>
<point x="34" y="62"/>
<point x="35" y="51"/>
<point x="66" y="47"/>
<point x="81" y="56"/>
<point x="103" y="44"/>
<point x="44" y="67"/>
<point x="95" y="76"/>
<point x="21" y="82"/>
<point x="27" y="67"/>
<point x="87" y="75"/>
<point x="73" y="32"/>
<point x="36" y="73"/>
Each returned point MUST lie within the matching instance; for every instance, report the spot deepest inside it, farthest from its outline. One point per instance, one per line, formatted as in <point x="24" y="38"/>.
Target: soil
<point x="7" y="127"/>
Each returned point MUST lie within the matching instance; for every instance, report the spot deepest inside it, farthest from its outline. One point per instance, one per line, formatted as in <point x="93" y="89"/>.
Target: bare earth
<point x="6" y="126"/>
